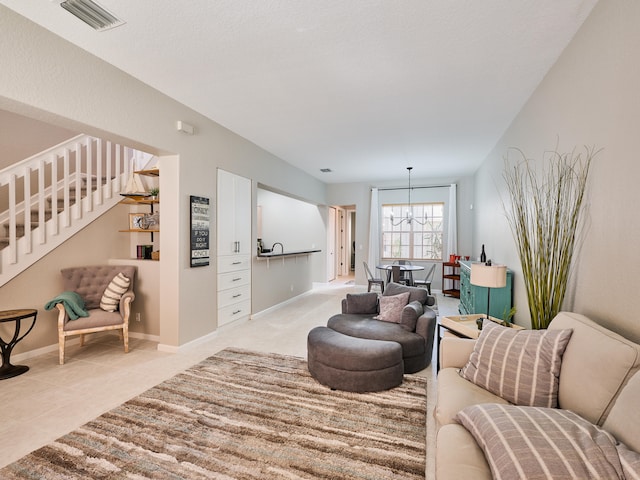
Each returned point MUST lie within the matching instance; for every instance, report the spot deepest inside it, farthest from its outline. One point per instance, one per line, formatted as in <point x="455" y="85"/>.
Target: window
<point x="412" y="241"/>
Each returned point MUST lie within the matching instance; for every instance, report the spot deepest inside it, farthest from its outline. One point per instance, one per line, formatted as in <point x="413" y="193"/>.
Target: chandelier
<point x="409" y="218"/>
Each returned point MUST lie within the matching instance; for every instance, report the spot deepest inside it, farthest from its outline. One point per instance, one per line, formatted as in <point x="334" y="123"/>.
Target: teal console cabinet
<point x="473" y="299"/>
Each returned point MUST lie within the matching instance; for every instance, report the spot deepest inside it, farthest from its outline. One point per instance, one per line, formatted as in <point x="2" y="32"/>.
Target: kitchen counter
<point x="286" y="254"/>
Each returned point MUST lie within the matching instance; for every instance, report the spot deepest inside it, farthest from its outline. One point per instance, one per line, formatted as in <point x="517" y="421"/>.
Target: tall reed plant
<point x="544" y="216"/>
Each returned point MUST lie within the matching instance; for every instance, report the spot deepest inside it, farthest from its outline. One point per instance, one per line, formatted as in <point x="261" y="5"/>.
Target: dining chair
<point x="373" y="280"/>
<point x="426" y="281"/>
<point x="406" y="277"/>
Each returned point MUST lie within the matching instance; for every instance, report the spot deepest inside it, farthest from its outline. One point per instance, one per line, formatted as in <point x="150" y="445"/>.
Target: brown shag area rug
<point x="244" y="415"/>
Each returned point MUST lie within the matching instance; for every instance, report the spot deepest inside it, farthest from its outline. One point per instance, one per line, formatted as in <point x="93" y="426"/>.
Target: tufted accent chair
<point x="90" y="283"/>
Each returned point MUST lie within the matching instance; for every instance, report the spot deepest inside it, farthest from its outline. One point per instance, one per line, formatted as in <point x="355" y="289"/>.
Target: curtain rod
<point x="412" y="188"/>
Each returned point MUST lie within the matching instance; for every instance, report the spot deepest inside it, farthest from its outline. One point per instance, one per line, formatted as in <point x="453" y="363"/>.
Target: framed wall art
<point x="199" y="224"/>
<point x="136" y="221"/>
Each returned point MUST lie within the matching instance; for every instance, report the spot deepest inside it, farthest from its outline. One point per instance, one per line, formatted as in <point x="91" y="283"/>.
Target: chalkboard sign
<point x="199" y="231"/>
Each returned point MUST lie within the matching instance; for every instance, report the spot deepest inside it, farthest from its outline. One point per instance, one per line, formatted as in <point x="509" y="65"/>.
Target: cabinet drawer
<point x="232" y="263"/>
<point x="234" y="312"/>
<point x="234" y="279"/>
<point x="234" y="295"/>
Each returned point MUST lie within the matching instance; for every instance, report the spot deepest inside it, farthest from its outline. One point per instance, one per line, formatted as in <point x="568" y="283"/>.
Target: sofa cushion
<point x="521" y="366"/>
<point x="595" y="364"/>
<point x="366" y="302"/>
<point x="455" y="393"/>
<point x="97" y="318"/>
<point x="623" y="420"/>
<point x="458" y="456"/>
<point x="362" y="327"/>
<point x="113" y="293"/>
<point x="391" y="307"/>
<point x="533" y="442"/>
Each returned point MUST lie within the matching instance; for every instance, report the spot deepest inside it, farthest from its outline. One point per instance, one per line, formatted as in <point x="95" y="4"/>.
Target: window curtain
<point x="452" y="231"/>
<point x="374" y="232"/>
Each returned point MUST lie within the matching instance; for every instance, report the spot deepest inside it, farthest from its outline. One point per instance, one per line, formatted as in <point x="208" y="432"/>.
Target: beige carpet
<point x="244" y="415"/>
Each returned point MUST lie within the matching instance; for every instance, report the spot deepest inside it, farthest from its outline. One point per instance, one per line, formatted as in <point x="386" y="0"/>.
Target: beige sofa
<point x="598" y="381"/>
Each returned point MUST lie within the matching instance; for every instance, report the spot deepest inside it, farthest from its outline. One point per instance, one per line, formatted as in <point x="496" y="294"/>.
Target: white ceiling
<point x="363" y="87"/>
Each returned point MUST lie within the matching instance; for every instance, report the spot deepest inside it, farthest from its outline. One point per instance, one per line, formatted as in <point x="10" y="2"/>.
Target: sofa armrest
<point x="125" y="304"/>
<point x="454" y="352"/>
<point x="63" y="318"/>
<point x="426" y="328"/>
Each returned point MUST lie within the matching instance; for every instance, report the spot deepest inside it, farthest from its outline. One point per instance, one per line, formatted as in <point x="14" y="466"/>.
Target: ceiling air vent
<point x="92" y="14"/>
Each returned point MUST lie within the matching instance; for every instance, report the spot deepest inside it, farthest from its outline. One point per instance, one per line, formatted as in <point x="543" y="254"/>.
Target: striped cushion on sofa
<point x="544" y="443"/>
<point x="521" y="366"/>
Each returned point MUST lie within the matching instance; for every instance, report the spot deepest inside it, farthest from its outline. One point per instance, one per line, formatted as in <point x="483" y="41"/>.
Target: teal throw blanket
<point x="73" y="304"/>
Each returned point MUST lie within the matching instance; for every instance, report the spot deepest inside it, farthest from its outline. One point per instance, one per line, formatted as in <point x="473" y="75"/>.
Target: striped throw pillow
<point x="543" y="443"/>
<point x="521" y="366"/>
<point x="114" y="291"/>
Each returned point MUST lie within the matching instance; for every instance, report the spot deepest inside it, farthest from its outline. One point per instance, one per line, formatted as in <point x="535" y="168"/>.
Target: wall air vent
<point x="92" y="14"/>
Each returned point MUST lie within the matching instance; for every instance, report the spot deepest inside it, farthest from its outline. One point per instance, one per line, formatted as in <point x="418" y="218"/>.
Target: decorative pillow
<point x="362" y="302"/>
<point x="521" y="366"/>
<point x="415" y="293"/>
<point x="630" y="461"/>
<point x="114" y="291"/>
<point x="391" y="307"/>
<point x="410" y="314"/>
<point x="544" y="443"/>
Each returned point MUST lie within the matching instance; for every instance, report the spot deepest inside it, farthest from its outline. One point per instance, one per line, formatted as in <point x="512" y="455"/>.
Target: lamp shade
<point x="491" y="276"/>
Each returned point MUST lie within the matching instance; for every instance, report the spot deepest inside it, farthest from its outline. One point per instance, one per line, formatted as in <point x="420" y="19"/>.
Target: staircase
<point x="47" y="198"/>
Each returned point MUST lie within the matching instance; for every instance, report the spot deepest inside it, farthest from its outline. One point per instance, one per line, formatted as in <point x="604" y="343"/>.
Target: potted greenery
<point x="544" y="215"/>
<point x="154" y="192"/>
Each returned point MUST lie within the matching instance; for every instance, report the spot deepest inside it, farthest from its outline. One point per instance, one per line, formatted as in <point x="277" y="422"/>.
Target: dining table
<point x="403" y="268"/>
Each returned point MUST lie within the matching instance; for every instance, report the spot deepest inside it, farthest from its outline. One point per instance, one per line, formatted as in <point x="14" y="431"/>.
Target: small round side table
<point x="7" y="370"/>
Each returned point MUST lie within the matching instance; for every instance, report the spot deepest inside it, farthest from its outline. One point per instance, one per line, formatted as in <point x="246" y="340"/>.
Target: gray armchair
<point x="415" y="333"/>
<point x="90" y="282"/>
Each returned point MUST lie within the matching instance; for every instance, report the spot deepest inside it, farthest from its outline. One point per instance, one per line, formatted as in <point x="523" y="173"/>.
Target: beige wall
<point x="47" y="78"/>
<point x="590" y="97"/>
<point x="22" y="137"/>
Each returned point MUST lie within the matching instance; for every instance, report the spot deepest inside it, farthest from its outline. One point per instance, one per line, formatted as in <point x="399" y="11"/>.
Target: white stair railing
<point x="50" y="196"/>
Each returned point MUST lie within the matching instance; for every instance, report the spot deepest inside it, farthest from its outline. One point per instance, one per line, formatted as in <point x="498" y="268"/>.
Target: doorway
<point x="342" y="243"/>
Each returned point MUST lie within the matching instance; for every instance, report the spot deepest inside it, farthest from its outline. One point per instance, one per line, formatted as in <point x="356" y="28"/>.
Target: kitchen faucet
<point x="273" y="247"/>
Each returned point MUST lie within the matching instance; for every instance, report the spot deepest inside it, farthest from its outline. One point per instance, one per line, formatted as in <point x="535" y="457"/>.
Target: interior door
<point x="331" y="245"/>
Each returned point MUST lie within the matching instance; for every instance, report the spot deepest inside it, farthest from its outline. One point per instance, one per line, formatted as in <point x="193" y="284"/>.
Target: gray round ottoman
<point x="353" y="364"/>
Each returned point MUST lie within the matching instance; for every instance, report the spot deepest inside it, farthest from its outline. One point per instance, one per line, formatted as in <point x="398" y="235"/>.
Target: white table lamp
<point x="490" y="276"/>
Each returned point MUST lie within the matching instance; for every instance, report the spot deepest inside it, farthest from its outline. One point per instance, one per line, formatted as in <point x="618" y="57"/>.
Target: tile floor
<point x="50" y="400"/>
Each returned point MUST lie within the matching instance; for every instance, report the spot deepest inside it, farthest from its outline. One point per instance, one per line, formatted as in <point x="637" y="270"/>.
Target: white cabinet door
<point x="226" y="214"/>
<point x="243" y="214"/>
<point x="234" y="214"/>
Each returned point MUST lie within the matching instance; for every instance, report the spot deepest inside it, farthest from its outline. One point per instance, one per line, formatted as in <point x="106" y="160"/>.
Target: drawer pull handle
<point x="237" y="312"/>
<point x="236" y="279"/>
<point x="236" y="263"/>
<point x="237" y="295"/>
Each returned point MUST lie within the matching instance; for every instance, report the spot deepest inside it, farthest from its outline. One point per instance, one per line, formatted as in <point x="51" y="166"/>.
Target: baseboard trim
<point x="145" y="336"/>
<point x="279" y="305"/>
<point x="181" y="348"/>
<point x="21" y="357"/>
